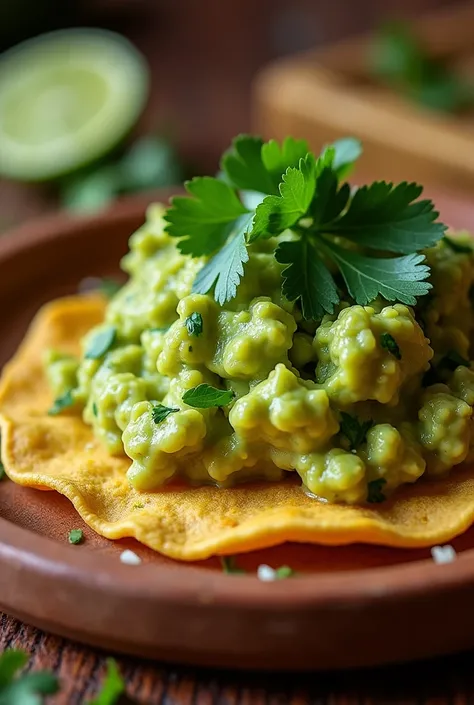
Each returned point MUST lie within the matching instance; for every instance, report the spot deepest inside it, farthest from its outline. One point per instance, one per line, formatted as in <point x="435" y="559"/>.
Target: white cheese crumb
<point x="443" y="554"/>
<point x="266" y="574"/>
<point x="130" y="558"/>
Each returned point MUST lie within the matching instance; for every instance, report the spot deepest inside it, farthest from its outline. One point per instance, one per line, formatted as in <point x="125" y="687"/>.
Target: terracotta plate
<point x="349" y="606"/>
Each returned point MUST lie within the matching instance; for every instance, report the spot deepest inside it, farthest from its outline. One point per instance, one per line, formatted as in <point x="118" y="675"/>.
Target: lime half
<point x="67" y="98"/>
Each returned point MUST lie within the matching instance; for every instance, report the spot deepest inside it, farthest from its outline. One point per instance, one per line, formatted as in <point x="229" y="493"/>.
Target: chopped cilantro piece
<point x="205" y="397"/>
<point x="26" y="688"/>
<point x="354" y="430"/>
<point x="101" y="343"/>
<point x="194" y="324"/>
<point x="283" y="572"/>
<point x="112" y="688"/>
<point x="229" y="566"/>
<point x="63" y="402"/>
<point x="389" y="343"/>
<point x="76" y="536"/>
<point x="452" y="360"/>
<point x="374" y="491"/>
<point x="109" y="287"/>
<point x="161" y="412"/>
<point x="95" y="410"/>
<point x="448" y="363"/>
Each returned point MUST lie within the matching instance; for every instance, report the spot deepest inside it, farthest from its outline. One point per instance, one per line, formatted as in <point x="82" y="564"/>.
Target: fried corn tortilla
<point x="184" y="522"/>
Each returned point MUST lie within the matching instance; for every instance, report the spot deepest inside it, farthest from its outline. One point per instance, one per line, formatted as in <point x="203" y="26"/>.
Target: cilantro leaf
<point x="65" y="401"/>
<point x="456" y="246"/>
<point x="161" y="412"/>
<point x="194" y="324"/>
<point x="229" y="566"/>
<point x="400" y="59"/>
<point x="11" y="661"/>
<point x="205" y="397"/>
<point x="101" y="343"/>
<point x="306" y="278"/>
<point x="243" y="165"/>
<point x="388" y="342"/>
<point x="387" y="217"/>
<point x="109" y="287"/>
<point x="374" y="491"/>
<point x="277" y="158"/>
<point x="112" y="687"/>
<point x="329" y="201"/>
<point x="396" y="278"/>
<point x="283" y="572"/>
<point x="226" y="267"/>
<point x="75" y="536"/>
<point x="354" y="430"/>
<point x="276" y="213"/>
<point x="205" y="219"/>
<point x="26" y="689"/>
<point x="347" y="151"/>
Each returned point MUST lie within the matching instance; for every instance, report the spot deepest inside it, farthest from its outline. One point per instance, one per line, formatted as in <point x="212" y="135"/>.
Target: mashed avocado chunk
<point x="279" y="354"/>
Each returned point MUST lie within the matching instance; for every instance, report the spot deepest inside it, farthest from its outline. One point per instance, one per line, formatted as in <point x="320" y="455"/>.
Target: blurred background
<point x="216" y="68"/>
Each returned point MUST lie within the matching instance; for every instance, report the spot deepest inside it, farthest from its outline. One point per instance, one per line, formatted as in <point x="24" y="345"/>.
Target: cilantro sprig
<point x="332" y="241"/>
<point x="31" y="688"/>
<point x="26" y="689"/>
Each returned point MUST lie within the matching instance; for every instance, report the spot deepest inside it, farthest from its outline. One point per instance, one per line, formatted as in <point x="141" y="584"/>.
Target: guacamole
<point x="357" y="402"/>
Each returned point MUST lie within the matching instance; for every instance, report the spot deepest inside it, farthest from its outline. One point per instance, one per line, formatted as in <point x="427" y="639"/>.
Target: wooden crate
<point x="325" y="94"/>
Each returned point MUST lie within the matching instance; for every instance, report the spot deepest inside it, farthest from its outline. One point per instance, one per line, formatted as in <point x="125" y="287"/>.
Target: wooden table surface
<point x="447" y="681"/>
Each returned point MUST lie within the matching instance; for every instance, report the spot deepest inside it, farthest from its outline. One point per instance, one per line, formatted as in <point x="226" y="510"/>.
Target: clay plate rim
<point x="65" y="578"/>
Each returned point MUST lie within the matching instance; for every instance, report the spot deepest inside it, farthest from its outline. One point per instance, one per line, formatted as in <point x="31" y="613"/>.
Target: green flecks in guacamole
<point x="161" y="412"/>
<point x="65" y="401"/>
<point x="322" y="360"/>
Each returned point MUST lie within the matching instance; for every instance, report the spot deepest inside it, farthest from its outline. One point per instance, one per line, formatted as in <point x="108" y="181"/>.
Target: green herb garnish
<point x="31" y="688"/>
<point x="448" y="363"/>
<point x="112" y="688"/>
<point x="284" y="572"/>
<point x="389" y="343"/>
<point x="374" y="491"/>
<point x="109" y="287"/>
<point x="75" y="536"/>
<point x="95" y="410"/>
<point x="204" y="396"/>
<point x="457" y="246"/>
<point x="399" y="58"/>
<point x="304" y="193"/>
<point x="354" y="430"/>
<point x="25" y="689"/>
<point x="194" y="324"/>
<point x="161" y="412"/>
<point x="229" y="566"/>
<point x="65" y="401"/>
<point x="452" y="360"/>
<point x="101" y="343"/>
